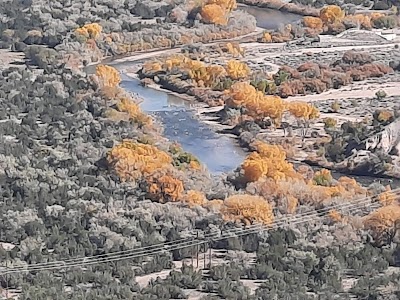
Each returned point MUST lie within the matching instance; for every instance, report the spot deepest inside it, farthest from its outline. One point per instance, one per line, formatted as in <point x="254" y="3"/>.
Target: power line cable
<point x="142" y="249"/>
<point x="189" y="243"/>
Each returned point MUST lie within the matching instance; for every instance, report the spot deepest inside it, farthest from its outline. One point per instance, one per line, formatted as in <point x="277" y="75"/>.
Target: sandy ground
<point x="219" y="257"/>
<point x="355" y="90"/>
<point x="260" y="52"/>
<point x="7" y="58"/>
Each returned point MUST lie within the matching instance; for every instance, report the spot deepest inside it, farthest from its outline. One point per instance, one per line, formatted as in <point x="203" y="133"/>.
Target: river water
<point x="270" y="18"/>
<point x="219" y="153"/>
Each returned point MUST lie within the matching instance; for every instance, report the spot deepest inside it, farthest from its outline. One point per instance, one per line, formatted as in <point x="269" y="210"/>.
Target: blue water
<point x="217" y="152"/>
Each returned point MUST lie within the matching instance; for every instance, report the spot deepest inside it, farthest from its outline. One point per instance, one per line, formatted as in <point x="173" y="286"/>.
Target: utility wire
<point x="175" y="245"/>
<point x="154" y="252"/>
<point x="162" y="246"/>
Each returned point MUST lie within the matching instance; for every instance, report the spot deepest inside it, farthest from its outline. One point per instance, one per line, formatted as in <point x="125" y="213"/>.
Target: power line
<point x="184" y="243"/>
<point x="145" y="251"/>
<point x="154" y="252"/>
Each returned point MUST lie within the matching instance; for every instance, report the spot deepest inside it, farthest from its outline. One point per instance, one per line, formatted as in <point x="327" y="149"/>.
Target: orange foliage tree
<point x="257" y="105"/>
<point x="213" y="13"/>
<point x="268" y="161"/>
<point x="228" y="5"/>
<point x="131" y="160"/>
<point x="237" y="69"/>
<point x="382" y="219"/>
<point x="133" y="110"/>
<point x="193" y="197"/>
<point x="248" y="209"/>
<point x="303" y="110"/>
<point x="217" y="11"/>
<point x="109" y="76"/>
<point x="313" y="23"/>
<point x="92" y="30"/>
<point x="331" y="14"/>
<point x="164" y="187"/>
<point x="387" y="197"/>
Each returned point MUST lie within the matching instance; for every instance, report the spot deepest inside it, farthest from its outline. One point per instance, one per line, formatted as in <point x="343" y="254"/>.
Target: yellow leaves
<point x="217" y="11"/>
<point x="331" y="14"/>
<point x="313" y="22"/>
<point x="207" y="75"/>
<point x="109" y="76"/>
<point x="131" y="160"/>
<point x="228" y="5"/>
<point x="237" y="69"/>
<point x="164" y="187"/>
<point x="241" y="93"/>
<point x="335" y="216"/>
<point x="258" y="105"/>
<point x="193" y="197"/>
<point x="376" y="15"/>
<point x="152" y="66"/>
<point x="248" y="209"/>
<point x="235" y="49"/>
<point x="133" y="110"/>
<point x="254" y="167"/>
<point x="213" y="13"/>
<point x="387" y="197"/>
<point x="303" y="110"/>
<point x="269" y="161"/>
<point x="364" y="21"/>
<point x="385" y="115"/>
<point x="266" y="37"/>
<point x="195" y="165"/>
<point x="383" y="218"/>
<point x="92" y="30"/>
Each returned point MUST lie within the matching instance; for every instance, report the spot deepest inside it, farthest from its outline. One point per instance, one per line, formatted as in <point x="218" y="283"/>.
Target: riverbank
<point x="269" y="58"/>
<point x="284" y="6"/>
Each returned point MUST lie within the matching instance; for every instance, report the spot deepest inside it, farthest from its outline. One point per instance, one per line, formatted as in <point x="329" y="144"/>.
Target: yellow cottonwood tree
<point x="92" y="30"/>
<point x="109" y="76"/>
<point x="268" y="161"/>
<point x="228" y="5"/>
<point x="248" y="209"/>
<point x="331" y="14"/>
<point x="313" y="22"/>
<point x="133" y="110"/>
<point x="164" y="187"/>
<point x="258" y="105"/>
<point x="131" y="160"/>
<point x="213" y="13"/>
<point x="303" y="110"/>
<point x="237" y="69"/>
<point x="382" y="219"/>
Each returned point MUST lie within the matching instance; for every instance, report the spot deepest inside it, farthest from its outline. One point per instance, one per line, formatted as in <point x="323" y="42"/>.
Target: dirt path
<point x="161" y="52"/>
<point x="356" y="90"/>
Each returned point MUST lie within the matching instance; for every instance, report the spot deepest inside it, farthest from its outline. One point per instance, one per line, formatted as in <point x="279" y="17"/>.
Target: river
<point x="270" y="18"/>
<point x="219" y="153"/>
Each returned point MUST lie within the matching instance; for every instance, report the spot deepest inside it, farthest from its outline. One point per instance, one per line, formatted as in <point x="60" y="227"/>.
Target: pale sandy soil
<point x="260" y="52"/>
<point x="7" y="58"/>
<point x="355" y="90"/>
<point x="219" y="257"/>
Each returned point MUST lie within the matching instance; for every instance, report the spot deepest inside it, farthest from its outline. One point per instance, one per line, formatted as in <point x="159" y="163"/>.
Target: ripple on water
<point x="218" y="153"/>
